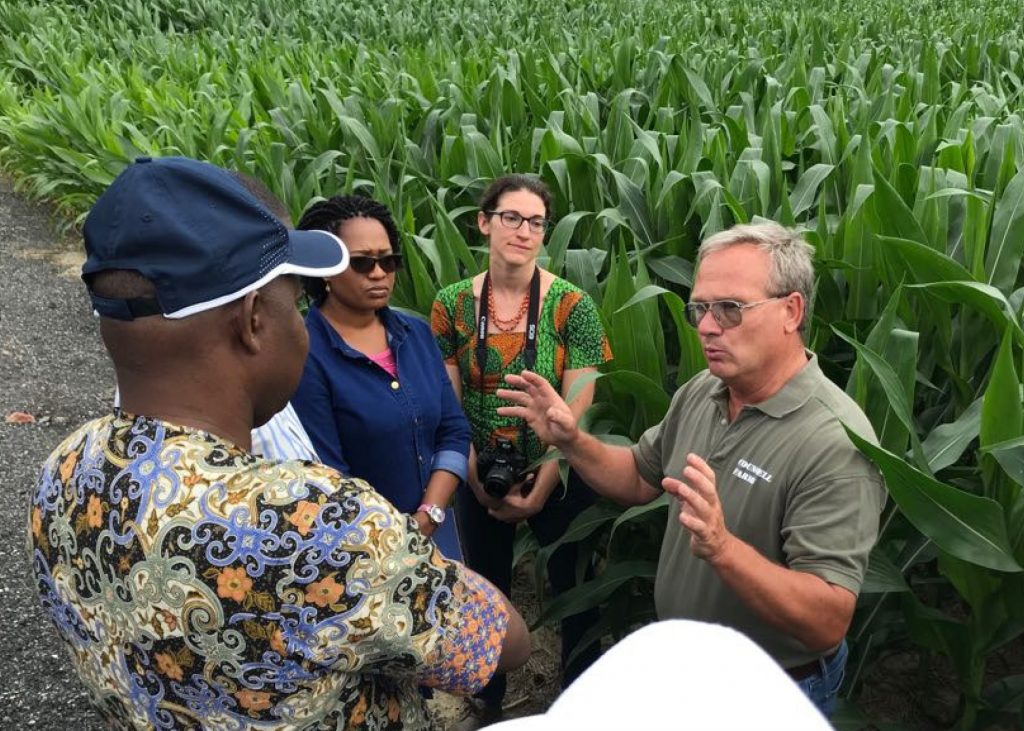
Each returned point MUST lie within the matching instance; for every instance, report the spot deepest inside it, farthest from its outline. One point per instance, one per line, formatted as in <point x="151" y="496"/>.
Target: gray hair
<point x="792" y="258"/>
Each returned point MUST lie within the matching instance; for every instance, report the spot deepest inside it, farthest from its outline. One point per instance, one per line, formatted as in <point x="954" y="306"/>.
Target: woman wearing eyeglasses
<point x="517" y="297"/>
<point x="375" y="397"/>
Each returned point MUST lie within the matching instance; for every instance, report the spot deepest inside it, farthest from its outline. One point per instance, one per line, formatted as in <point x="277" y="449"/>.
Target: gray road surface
<point x="52" y="365"/>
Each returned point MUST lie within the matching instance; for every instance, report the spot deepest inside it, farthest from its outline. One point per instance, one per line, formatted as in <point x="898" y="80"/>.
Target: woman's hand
<point x="521" y="502"/>
<point x="481" y="495"/>
<point x="476" y="486"/>
<point x="426" y="525"/>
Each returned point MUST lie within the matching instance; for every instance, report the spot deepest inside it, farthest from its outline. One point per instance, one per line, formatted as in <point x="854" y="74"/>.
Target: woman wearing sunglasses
<point x="375" y="397"/>
<point x="518" y="298"/>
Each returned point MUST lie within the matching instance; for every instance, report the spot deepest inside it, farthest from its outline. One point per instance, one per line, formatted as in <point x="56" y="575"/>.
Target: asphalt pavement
<point x="52" y="366"/>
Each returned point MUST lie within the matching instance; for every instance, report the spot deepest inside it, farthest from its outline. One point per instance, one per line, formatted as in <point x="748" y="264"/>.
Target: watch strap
<point x="434" y="513"/>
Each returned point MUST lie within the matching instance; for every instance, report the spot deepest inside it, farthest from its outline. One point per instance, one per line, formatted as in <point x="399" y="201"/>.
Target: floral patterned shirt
<point x="199" y="586"/>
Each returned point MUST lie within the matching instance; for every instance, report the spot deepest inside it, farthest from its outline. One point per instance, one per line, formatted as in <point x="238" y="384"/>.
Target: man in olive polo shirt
<point x="776" y="510"/>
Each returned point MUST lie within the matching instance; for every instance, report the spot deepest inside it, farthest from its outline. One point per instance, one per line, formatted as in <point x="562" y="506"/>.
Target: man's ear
<point x="795" y="309"/>
<point x="252" y="321"/>
<point x="483" y="222"/>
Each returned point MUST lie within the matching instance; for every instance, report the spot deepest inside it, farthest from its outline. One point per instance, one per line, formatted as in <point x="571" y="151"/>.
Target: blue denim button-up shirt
<point x="390" y="432"/>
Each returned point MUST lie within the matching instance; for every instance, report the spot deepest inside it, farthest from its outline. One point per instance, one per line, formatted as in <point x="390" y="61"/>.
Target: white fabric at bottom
<point x="680" y="674"/>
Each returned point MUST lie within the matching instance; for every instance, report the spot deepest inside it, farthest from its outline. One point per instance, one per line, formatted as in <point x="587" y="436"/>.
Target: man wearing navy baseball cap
<point x="198" y="585"/>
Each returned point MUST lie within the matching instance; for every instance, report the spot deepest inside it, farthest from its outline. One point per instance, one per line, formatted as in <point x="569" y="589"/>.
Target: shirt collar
<point x="397" y="330"/>
<point x="794" y="394"/>
<point x="121" y="419"/>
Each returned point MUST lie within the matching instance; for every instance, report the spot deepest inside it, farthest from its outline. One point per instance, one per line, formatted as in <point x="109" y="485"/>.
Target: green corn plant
<point x="890" y="132"/>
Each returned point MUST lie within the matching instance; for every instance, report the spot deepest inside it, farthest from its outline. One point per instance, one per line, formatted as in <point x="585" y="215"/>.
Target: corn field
<point x="891" y="131"/>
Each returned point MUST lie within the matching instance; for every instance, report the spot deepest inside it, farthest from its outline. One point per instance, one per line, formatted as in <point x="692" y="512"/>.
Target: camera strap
<point x="529" y="346"/>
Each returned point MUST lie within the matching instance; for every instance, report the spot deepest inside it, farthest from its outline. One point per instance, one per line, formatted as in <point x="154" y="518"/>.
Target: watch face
<point x="436" y="514"/>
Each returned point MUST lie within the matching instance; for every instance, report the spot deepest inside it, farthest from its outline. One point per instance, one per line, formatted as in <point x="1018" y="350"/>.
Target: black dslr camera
<point x="500" y="467"/>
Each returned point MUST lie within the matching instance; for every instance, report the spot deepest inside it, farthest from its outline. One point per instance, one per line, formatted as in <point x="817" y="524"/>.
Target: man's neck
<point x="764" y="388"/>
<point x="222" y="413"/>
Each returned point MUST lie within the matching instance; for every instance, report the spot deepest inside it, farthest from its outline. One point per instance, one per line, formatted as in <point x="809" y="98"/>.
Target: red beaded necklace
<point x="506" y="325"/>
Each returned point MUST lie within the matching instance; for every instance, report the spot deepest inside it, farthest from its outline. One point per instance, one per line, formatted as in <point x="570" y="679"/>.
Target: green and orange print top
<point x="570" y="336"/>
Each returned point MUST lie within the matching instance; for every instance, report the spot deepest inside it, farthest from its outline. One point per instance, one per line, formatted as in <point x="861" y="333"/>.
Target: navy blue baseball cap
<point x="198" y="235"/>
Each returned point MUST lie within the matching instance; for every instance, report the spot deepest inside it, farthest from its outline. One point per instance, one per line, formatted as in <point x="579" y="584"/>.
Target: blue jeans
<point x="823" y="687"/>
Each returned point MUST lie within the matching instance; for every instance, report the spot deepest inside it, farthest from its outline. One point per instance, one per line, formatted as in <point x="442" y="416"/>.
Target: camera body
<point x="500" y="467"/>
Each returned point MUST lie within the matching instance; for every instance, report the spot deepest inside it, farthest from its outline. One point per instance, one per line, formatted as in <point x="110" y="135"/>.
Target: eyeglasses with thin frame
<point x="514" y="220"/>
<point x="727" y="313"/>
<point x="363" y="264"/>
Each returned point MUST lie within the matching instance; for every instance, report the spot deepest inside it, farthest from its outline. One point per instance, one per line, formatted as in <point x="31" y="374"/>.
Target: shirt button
<point x="724" y="421"/>
<point x="394" y="385"/>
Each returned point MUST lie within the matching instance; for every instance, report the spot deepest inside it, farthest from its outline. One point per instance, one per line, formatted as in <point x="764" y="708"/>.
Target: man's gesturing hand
<point x="701" y="512"/>
<point x="539" y="404"/>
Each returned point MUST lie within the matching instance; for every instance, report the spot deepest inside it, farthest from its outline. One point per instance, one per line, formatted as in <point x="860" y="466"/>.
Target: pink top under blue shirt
<point x="386" y="360"/>
<point x="392" y="429"/>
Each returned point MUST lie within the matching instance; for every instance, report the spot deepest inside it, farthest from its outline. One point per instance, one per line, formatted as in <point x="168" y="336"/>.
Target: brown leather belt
<point x="802" y="672"/>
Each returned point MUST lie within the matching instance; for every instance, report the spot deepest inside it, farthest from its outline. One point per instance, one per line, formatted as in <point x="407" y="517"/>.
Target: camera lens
<point x="499" y="480"/>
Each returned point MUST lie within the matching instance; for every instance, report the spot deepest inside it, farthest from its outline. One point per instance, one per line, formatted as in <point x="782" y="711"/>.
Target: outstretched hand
<point x="700" y="509"/>
<point x="539" y="405"/>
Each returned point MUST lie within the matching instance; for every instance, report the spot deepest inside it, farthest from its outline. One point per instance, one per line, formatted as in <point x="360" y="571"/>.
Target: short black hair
<point x="513" y="182"/>
<point x="259" y="190"/>
<point x="120" y="284"/>
<point x="329" y="214"/>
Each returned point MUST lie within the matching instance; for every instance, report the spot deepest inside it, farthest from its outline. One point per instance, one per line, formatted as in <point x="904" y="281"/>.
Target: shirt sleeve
<point x="451" y="439"/>
<point x="385" y="600"/>
<point x="449" y="461"/>
<point x="283" y="438"/>
<point x="583" y="333"/>
<point x="443" y="327"/>
<point x="831" y="521"/>
<point x="830" y="529"/>
<point x="464" y="661"/>
<point x="647" y="455"/>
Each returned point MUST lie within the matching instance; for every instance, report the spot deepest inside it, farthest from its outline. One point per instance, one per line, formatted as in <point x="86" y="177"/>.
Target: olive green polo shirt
<point x="791" y="484"/>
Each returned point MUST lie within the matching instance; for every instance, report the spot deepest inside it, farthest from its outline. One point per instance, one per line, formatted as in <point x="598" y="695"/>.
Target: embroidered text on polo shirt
<point x="749" y="472"/>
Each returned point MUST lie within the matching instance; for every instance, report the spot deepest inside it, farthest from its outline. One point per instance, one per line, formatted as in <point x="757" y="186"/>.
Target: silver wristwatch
<point x="435" y="513"/>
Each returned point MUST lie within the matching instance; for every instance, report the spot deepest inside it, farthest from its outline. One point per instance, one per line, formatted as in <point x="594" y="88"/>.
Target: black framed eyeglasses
<point x="389" y="263"/>
<point x="727" y="313"/>
<point x="513" y="220"/>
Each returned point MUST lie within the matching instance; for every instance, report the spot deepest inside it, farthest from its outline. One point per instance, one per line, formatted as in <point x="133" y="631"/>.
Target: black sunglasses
<point x="389" y="263"/>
